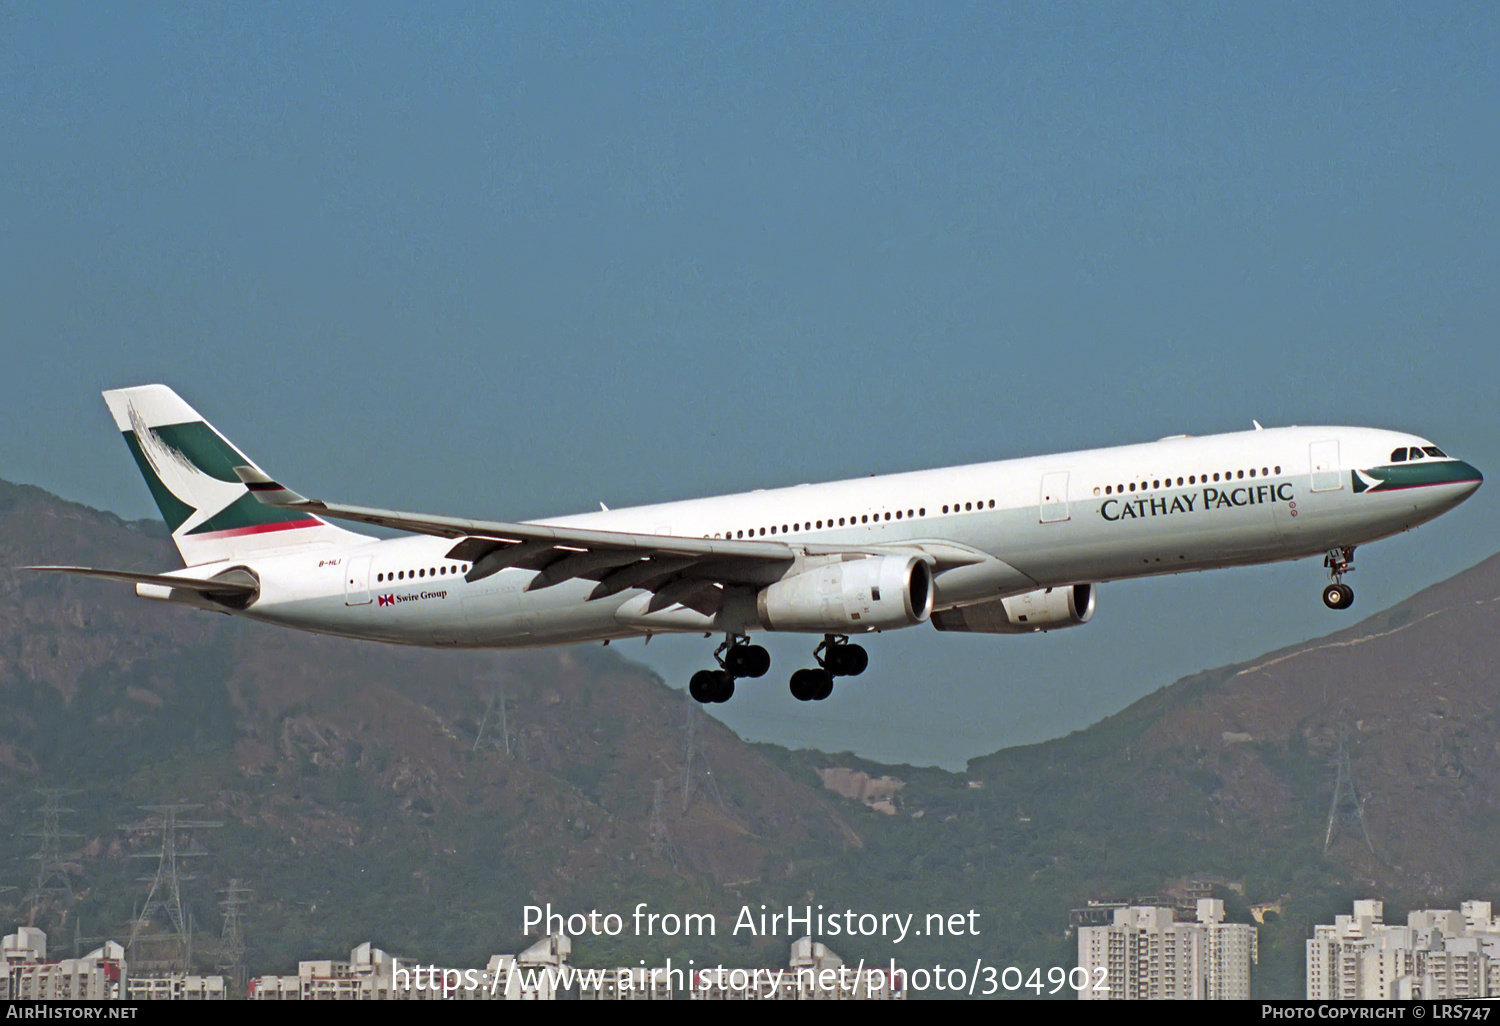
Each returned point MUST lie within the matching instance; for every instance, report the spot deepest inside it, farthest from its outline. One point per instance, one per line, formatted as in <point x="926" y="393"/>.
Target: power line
<point x="52" y="887"/>
<point x="165" y="894"/>
<point x="1347" y="806"/>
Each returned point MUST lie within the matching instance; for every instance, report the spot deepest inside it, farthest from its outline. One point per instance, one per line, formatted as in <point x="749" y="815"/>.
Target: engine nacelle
<point x="1046" y="609"/>
<point x="871" y="593"/>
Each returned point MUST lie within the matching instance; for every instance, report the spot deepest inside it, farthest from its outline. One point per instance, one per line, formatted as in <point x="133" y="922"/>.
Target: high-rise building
<point x="1146" y="953"/>
<point x="1439" y="953"/>
<point x="27" y="975"/>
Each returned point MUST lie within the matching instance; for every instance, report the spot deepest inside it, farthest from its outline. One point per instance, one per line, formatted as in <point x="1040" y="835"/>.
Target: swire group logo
<point x="387" y="600"/>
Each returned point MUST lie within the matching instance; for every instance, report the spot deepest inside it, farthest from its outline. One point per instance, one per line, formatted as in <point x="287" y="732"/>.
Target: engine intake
<point x="871" y="593"/>
<point x="1046" y="609"/>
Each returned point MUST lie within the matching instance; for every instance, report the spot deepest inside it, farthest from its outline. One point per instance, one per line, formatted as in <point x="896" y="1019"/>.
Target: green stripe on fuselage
<point x="1418" y="474"/>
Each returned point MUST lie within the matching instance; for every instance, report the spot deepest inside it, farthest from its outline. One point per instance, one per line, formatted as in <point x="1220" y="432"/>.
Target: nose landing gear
<point x="1339" y="562"/>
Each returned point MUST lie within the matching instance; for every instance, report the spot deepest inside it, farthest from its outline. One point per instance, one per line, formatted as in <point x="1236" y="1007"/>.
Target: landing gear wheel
<point x="812" y="685"/>
<point x="1338" y="596"/>
<point x="825" y="686"/>
<point x="723" y="686"/>
<point x="846" y="660"/>
<point x="703" y="686"/>
<point x="747" y="661"/>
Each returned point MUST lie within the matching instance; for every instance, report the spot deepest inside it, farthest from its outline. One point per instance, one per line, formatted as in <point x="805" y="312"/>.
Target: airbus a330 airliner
<point x="994" y="548"/>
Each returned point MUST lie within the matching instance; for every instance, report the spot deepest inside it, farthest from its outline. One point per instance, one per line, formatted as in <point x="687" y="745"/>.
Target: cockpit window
<point x="1414" y="453"/>
<point x="1433" y="450"/>
<point x="1398" y="456"/>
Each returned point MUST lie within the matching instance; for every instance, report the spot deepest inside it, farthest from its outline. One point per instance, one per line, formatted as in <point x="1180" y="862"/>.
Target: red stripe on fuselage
<point x="280" y="525"/>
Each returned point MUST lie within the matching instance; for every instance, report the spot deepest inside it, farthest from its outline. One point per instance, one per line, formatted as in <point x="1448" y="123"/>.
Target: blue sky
<point x="515" y="261"/>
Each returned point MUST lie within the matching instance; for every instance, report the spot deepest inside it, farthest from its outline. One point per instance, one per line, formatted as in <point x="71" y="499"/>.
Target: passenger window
<point x="1252" y="471"/>
<point x="992" y="504"/>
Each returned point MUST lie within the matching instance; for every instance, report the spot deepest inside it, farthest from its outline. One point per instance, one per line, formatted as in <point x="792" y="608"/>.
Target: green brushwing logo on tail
<point x="189" y="469"/>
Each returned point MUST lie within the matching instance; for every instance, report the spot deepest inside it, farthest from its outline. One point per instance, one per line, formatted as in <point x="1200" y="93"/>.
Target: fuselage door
<point x="1054" y="506"/>
<point x="357" y="581"/>
<point x="1326" y="476"/>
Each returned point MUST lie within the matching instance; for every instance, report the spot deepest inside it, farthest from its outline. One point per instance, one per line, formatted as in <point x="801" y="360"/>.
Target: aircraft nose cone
<point x="1464" y="480"/>
<point x="1472" y="483"/>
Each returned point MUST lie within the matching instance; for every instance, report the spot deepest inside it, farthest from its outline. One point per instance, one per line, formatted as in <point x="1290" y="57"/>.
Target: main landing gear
<point x="736" y="658"/>
<point x="1339" y="562"/>
<point x="836" y="658"/>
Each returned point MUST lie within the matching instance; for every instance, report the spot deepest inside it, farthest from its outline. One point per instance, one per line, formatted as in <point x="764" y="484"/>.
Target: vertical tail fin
<point x="189" y="468"/>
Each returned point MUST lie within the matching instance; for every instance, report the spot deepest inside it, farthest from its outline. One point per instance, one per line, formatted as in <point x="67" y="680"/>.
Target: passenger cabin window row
<point x="1192" y="479"/>
<point x="1414" y="453"/>
<point x="852" y="521"/>
<point x="412" y="575"/>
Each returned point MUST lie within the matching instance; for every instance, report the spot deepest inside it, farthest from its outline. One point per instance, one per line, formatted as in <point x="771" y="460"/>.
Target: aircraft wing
<point x="686" y="570"/>
<point x="617" y="560"/>
<point x="212" y="586"/>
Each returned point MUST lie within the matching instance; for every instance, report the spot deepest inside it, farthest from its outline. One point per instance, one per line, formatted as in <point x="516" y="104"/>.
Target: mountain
<point x="420" y="799"/>
<point x="364" y="790"/>
<point x="1229" y="775"/>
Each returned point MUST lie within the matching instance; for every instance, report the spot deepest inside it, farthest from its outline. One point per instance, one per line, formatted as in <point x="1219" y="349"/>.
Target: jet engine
<point x="863" y="594"/>
<point x="1046" y="609"/>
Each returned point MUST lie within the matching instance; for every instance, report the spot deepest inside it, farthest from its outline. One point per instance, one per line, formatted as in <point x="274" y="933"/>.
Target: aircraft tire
<point x="806" y="684"/>
<point x="723" y="686"/>
<point x="847" y="660"/>
<point x="757" y="661"/>
<point x="1338" y="596"/>
<point x="825" y="684"/>
<point x="747" y="661"/>
<point x="702" y="686"/>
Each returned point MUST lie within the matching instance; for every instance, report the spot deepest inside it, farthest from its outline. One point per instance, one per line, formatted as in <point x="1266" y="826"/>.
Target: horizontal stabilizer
<point x="214" y="586"/>
<point x="267" y="491"/>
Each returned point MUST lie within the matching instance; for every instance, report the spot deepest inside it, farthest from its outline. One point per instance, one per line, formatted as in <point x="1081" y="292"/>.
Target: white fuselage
<point x="1164" y="507"/>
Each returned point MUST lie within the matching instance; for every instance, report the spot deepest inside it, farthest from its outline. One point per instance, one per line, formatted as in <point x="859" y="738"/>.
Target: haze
<point x="513" y="262"/>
